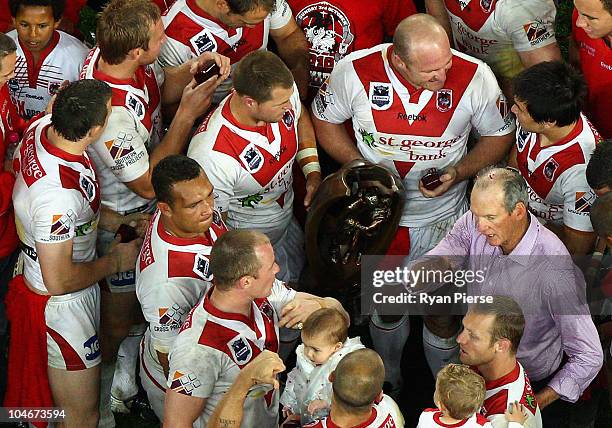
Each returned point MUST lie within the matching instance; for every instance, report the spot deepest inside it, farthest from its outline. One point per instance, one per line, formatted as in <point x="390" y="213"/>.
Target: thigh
<point x="119" y="311"/>
<point x="76" y="392"/>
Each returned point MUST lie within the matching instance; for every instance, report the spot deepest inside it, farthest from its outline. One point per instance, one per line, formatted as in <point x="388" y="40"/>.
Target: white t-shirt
<point x="56" y="199"/>
<point x="556" y="175"/>
<point x="250" y="167"/>
<point x="494" y="31"/>
<point x="430" y="418"/>
<point x="191" y="32"/>
<point x="33" y="86"/>
<point x="409" y="131"/>
<point x="213" y="346"/>
<point x="385" y="414"/>
<point x="172" y="275"/>
<point x="134" y="128"/>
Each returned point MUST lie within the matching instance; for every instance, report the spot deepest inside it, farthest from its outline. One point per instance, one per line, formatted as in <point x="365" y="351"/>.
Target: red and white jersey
<point x="409" y="131"/>
<point x="596" y="66"/>
<point x="556" y="175"/>
<point x="213" y="346"/>
<point x="172" y="275"/>
<point x="11" y="124"/>
<point x="430" y="418"/>
<point x="335" y="28"/>
<point x="385" y="414"/>
<point x="56" y="198"/>
<point x="191" y="31"/>
<point x="134" y="128"/>
<point x="250" y="167"/>
<point x="34" y="85"/>
<point x="494" y="30"/>
<point x="501" y="393"/>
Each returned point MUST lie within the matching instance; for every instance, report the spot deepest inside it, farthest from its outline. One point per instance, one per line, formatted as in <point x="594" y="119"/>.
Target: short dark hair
<point x="171" y="170"/>
<point x="124" y="25"/>
<point x="358" y="380"/>
<point x="599" y="169"/>
<point x="607" y="4"/>
<point x="509" y="320"/>
<point x="601" y="216"/>
<point x="241" y="7"/>
<point x="79" y="107"/>
<point x="233" y="256"/>
<point x="258" y="73"/>
<point x="553" y="91"/>
<point x="57" y="6"/>
<point x="7" y="46"/>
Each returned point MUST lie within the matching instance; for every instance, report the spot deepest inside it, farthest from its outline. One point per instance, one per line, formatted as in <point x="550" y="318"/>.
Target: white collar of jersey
<point x="411" y="108"/>
<point x="214" y="27"/>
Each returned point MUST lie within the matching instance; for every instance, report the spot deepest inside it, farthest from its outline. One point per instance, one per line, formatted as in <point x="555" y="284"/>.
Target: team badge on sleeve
<point x="444" y="99"/>
<point x="583" y="203"/>
<point x="240" y="349"/>
<point x="60" y="227"/>
<point x="203" y="42"/>
<point x="201" y="267"/>
<point x="381" y="95"/>
<point x="184" y="383"/>
<point x="135" y="105"/>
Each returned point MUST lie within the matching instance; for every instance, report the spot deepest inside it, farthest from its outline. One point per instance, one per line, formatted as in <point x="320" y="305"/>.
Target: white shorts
<point x="290" y="254"/>
<point x="152" y="377"/>
<point x="120" y="282"/>
<point x="73" y="322"/>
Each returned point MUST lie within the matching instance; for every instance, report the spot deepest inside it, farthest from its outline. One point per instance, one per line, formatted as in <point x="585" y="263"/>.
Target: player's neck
<point x="73" y="147"/>
<point x="448" y="420"/>
<point x="173" y="230"/>
<point x="123" y="71"/>
<point x="555" y="134"/>
<point x="498" y="368"/>
<point x="230" y="302"/>
<point x="344" y="418"/>
<point x="241" y="113"/>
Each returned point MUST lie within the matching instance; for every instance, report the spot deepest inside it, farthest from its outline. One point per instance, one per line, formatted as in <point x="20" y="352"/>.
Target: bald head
<point x="418" y="33"/>
<point x="358" y="380"/>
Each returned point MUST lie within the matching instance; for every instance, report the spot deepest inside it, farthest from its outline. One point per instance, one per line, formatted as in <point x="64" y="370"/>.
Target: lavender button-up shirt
<point x="541" y="277"/>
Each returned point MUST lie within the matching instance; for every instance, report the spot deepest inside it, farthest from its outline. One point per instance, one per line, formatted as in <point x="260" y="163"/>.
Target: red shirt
<point x="596" y="65"/>
<point x="335" y="28"/>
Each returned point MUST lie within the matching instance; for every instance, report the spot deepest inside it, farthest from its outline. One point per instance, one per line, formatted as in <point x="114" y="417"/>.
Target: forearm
<point x="488" y="151"/>
<point x="294" y="51"/>
<point x="437" y="9"/>
<point x="334" y="139"/>
<point x="79" y="276"/>
<point x="110" y="220"/>
<point x="546" y="396"/>
<point x="307" y="156"/>
<point x="176" y="139"/>
<point x="175" y="80"/>
<point x="230" y="410"/>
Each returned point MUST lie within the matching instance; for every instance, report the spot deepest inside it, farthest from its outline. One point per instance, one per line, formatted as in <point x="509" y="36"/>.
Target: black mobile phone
<point x="431" y="179"/>
<point x="126" y="232"/>
<point x="209" y="70"/>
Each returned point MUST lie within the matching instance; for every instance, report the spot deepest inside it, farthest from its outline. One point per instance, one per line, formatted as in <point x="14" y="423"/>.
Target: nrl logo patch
<point x="381" y="95"/>
<point x="135" y="106"/>
<point x="240" y="349"/>
<point x="88" y="187"/>
<point x="444" y="99"/>
<point x="204" y="41"/>
<point x="201" y="267"/>
<point x="53" y="88"/>
<point x="251" y="158"/>
<point x="486" y="5"/>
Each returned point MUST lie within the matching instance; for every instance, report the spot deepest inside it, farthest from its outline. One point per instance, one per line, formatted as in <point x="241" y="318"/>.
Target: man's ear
<point x="503" y="345"/>
<point x="245" y="282"/>
<point x="520" y="210"/>
<point x="222" y="6"/>
<point x="249" y="102"/>
<point x="164" y="208"/>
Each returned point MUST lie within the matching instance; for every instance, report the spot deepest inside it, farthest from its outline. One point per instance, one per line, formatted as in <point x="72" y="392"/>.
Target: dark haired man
<point x="590" y="46"/>
<point x="489" y="341"/>
<point x="130" y="34"/>
<point x="53" y="306"/>
<point x="173" y="271"/>
<point x="45" y="57"/>
<point x="234" y="28"/>
<point x="248" y="147"/>
<point x="235" y="321"/>
<point x="599" y="169"/>
<point x="554" y="142"/>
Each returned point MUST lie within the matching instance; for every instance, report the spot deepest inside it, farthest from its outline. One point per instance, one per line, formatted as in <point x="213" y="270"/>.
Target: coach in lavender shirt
<point x="524" y="260"/>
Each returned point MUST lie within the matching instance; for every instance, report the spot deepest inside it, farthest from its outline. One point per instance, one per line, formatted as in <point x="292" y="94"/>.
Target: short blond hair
<point x="328" y="323"/>
<point x="461" y="390"/>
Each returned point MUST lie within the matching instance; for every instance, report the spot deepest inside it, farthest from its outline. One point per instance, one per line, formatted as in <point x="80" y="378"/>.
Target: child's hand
<point x="287" y="412"/>
<point x="315" y="405"/>
<point x="517" y="413"/>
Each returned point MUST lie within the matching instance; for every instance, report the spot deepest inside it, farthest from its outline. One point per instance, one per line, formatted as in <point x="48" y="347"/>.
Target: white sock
<point x="389" y="340"/>
<point x="124" y="382"/>
<point x="439" y="351"/>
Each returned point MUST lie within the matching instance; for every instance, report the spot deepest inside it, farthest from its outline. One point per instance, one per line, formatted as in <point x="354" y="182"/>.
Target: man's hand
<point x="263" y="370"/>
<point x="222" y="61"/>
<point x="297" y="311"/>
<point x="125" y="255"/>
<point x="546" y="396"/>
<point x="517" y="413"/>
<point x="449" y="178"/>
<point x="49" y="107"/>
<point x="315" y="405"/>
<point x="313" y="181"/>
<point x="139" y="221"/>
